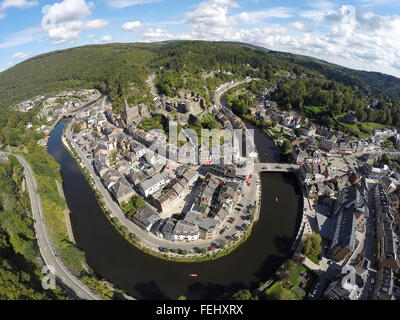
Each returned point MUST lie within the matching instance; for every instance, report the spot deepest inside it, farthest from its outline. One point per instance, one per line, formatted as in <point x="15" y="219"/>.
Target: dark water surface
<point x="146" y="277"/>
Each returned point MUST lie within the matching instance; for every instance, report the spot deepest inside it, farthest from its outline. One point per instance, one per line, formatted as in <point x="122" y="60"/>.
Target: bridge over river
<point x="275" y="167"/>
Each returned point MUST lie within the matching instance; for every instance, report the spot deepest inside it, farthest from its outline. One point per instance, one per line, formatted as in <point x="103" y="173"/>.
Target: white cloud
<point x="317" y="9"/>
<point x="213" y="20"/>
<point x="64" y="20"/>
<point x="22" y="37"/>
<point x="104" y="39"/>
<point x="347" y="36"/>
<point x="19" y="55"/>
<point x="299" y="26"/>
<point x="374" y="3"/>
<point x="157" y="35"/>
<point x="96" y="24"/>
<point x="119" y="4"/>
<point x="131" y="26"/>
<point x="22" y="4"/>
<point x="257" y="16"/>
<point x="213" y="13"/>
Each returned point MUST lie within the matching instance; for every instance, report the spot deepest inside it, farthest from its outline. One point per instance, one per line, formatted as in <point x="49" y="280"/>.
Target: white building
<point x="154" y="184"/>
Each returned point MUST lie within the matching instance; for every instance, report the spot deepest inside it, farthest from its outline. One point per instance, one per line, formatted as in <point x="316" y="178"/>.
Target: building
<point x="348" y="285"/>
<point x="352" y="198"/>
<point x="122" y="191"/>
<point x="299" y="156"/>
<point x="185" y="231"/>
<point x="100" y="149"/>
<point x="306" y="172"/>
<point x="155" y="183"/>
<point x="101" y="164"/>
<point x="350" y="117"/>
<point x="145" y="218"/>
<point x="386" y="285"/>
<point x="164" y="200"/>
<point x="309" y="131"/>
<point x="325" y="144"/>
<point x="134" y="113"/>
<point x="344" y="238"/>
<point x="222" y="170"/>
<point x="207" y="226"/>
<point x="388" y="185"/>
<point x="325" y="225"/>
<point x="167" y="230"/>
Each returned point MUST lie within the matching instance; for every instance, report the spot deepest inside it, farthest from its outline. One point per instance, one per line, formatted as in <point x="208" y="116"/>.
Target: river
<point x="146" y="277"/>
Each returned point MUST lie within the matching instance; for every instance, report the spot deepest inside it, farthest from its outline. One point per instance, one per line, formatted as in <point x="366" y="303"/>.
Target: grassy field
<point x="278" y="287"/>
<point x="353" y="130"/>
<point x="369" y="127"/>
<point x="314" y="109"/>
<point x="313" y="259"/>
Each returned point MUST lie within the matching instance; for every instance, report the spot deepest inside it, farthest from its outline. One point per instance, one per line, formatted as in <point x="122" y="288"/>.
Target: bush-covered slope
<point x="121" y="70"/>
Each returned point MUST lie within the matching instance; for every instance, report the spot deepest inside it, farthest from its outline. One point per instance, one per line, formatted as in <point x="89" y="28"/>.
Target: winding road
<point x="74" y="286"/>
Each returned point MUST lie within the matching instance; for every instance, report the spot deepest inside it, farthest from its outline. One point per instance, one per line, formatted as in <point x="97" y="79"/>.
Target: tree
<point x="203" y="250"/>
<point x="132" y="236"/>
<point x="76" y="127"/>
<point x="312" y="244"/>
<point x="298" y="132"/>
<point x="284" y="277"/>
<point x="298" y="259"/>
<point x="243" y="294"/>
<point x="287" y="147"/>
<point x="282" y="294"/>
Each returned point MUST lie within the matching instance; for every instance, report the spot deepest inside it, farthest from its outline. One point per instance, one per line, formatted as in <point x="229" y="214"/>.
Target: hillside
<point x="121" y="70"/>
<point x="375" y="82"/>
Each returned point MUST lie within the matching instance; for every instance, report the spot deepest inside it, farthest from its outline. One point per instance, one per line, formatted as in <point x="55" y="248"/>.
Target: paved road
<point x="221" y="90"/>
<point x="63" y="276"/>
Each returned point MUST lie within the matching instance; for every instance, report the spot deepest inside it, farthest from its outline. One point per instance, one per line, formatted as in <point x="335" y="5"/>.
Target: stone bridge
<point x="275" y="167"/>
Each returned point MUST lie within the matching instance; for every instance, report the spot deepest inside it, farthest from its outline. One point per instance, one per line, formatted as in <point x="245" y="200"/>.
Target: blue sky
<point x="360" y="34"/>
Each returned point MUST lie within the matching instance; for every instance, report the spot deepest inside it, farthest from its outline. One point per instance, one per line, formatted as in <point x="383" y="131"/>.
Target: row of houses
<point x="175" y="190"/>
<point x="387" y="245"/>
<point x="347" y="221"/>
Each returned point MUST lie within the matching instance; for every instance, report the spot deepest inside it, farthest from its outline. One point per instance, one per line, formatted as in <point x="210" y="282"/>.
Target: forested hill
<point x="121" y="70"/>
<point x="378" y="83"/>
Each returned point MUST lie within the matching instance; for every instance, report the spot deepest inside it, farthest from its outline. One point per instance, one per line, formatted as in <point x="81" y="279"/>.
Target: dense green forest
<point x="378" y="84"/>
<point x="121" y="70"/>
<point x="20" y="272"/>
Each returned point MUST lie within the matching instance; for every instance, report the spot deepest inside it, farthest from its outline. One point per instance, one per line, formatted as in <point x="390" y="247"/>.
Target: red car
<point x="230" y="221"/>
<point x="211" y="248"/>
